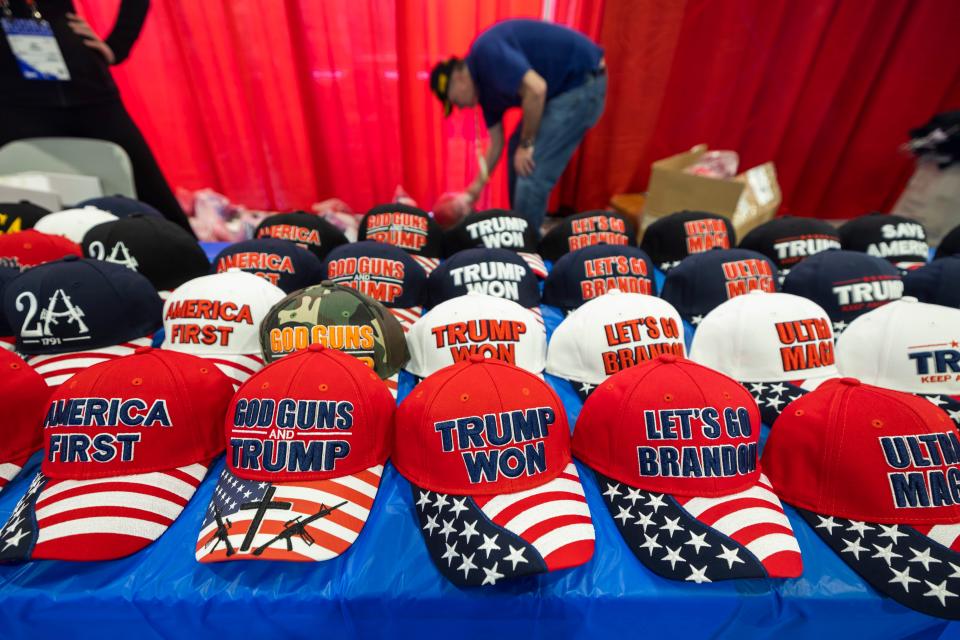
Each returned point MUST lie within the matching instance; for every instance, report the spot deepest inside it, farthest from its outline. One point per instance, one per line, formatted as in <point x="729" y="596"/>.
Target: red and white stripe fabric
<point x="347" y="500"/>
<point x="428" y="264"/>
<point x="236" y="367"/>
<point x="755" y="519"/>
<point x="393" y="384"/>
<point x="553" y="518"/>
<point x="110" y="517"/>
<point x="946" y="534"/>
<point x="407" y="316"/>
<point x="8" y="342"/>
<point x="9" y="471"/>
<point x="58" y="367"/>
<point x="535" y="262"/>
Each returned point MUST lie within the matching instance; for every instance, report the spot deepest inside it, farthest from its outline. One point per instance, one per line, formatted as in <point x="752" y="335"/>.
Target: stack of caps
<point x="73" y="224"/>
<point x="498" y="229"/>
<point x="407" y="228"/>
<point x="18" y="216"/>
<point x="280" y="262"/>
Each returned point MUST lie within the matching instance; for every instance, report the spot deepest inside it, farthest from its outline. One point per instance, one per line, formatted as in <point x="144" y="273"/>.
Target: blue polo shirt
<point x="501" y="55"/>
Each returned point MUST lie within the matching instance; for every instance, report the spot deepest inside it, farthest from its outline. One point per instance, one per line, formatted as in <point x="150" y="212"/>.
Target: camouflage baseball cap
<point x="337" y="317"/>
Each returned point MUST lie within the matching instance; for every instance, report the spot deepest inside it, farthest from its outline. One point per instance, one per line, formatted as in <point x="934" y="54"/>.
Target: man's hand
<point x="523" y="161"/>
<point x="90" y="39"/>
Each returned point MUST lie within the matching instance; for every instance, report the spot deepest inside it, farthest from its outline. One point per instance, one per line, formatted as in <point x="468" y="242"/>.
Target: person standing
<point x="555" y="74"/>
<point x="78" y="98"/>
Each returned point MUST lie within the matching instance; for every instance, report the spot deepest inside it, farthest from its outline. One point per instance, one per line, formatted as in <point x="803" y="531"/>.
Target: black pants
<point x="102" y="121"/>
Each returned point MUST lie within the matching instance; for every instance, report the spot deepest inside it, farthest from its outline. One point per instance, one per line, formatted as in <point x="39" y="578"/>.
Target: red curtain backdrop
<point x="278" y="105"/>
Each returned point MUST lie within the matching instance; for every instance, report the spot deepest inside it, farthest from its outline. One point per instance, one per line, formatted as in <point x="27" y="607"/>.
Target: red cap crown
<point x="860" y="452"/>
<point x="313" y="415"/>
<point x="673" y="426"/>
<point x="23" y="402"/>
<point x="481" y="427"/>
<point x="30" y="248"/>
<point x="149" y="411"/>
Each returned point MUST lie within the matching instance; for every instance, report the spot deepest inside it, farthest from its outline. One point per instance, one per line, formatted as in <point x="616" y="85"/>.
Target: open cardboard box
<point x="749" y="199"/>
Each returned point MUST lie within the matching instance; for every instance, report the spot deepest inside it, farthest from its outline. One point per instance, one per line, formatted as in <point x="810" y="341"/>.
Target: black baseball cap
<point x="900" y="240"/>
<point x="409" y="228"/>
<point x="586" y="229"/>
<point x="495" y="272"/>
<point x="121" y="206"/>
<point x="440" y="81"/>
<point x="588" y="273"/>
<point x="161" y="250"/>
<point x="788" y="239"/>
<point x="950" y="245"/>
<point x="280" y="262"/>
<point x="493" y="229"/>
<point x="307" y="230"/>
<point x="17" y="216"/>
<point x="672" y="238"/>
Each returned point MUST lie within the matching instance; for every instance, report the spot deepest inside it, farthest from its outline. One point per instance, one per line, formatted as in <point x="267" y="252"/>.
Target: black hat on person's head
<point x="440" y="81"/>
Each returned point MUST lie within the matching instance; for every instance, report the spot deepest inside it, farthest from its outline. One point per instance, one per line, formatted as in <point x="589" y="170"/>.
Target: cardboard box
<point x="749" y="199"/>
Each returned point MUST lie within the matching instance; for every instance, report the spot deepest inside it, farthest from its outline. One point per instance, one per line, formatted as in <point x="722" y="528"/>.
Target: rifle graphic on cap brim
<point x="298" y="527"/>
<point x="222" y="534"/>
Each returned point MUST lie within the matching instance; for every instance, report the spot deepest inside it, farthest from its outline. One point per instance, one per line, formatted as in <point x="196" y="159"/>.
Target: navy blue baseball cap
<point x="936" y="283"/>
<point x="384" y="272"/>
<point x="495" y="272"/>
<point x="592" y="271"/>
<point x="704" y="280"/>
<point x="6" y="275"/>
<point x="280" y="262"/>
<point x="950" y="245"/>
<point x="307" y="230"/>
<point x="788" y="240"/>
<point x="846" y="284"/>
<point x="121" y="206"/>
<point x="90" y="309"/>
<point x="410" y="228"/>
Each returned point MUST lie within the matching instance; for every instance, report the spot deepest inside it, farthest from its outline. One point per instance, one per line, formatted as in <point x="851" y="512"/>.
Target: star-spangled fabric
<point x="80" y="519"/>
<point x="692" y="539"/>
<point x="916" y="565"/>
<point x="303" y="521"/>
<point x="56" y="368"/>
<point x="773" y="397"/>
<point x="481" y="540"/>
<point x="950" y="404"/>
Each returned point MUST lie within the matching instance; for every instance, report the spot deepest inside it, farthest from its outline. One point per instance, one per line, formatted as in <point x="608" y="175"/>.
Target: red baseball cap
<point x="23" y="402"/>
<point x="30" y="248"/>
<point x="674" y="446"/>
<point x="126" y="443"/>
<point x="876" y="473"/>
<point x="307" y="438"/>
<point x="486" y="447"/>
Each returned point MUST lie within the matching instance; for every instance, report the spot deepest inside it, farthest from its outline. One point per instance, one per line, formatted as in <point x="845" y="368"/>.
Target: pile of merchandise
<point x="714" y="383"/>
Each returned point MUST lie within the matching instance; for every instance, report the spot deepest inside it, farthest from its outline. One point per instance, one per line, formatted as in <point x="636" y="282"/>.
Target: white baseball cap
<point x="905" y="345"/>
<point x="480" y="324"/>
<point x="610" y="333"/>
<point x="766" y="340"/>
<point x="73" y="224"/>
<point x="218" y="317"/>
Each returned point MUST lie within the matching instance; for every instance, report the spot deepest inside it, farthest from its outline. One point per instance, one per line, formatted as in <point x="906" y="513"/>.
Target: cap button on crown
<point x="667" y="358"/>
<point x="476" y="357"/>
<point x="316" y="346"/>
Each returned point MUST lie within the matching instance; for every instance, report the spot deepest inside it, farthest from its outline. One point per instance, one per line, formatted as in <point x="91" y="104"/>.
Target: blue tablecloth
<point x="386" y="586"/>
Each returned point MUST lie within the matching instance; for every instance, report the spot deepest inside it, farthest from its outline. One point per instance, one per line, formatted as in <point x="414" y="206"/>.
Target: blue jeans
<point x="566" y="119"/>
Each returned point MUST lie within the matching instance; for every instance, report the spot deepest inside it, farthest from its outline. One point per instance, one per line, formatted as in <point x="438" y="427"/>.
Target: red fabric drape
<point x="278" y="105"/>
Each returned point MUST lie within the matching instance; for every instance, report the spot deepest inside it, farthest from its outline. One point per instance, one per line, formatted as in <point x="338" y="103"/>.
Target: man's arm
<point x="533" y="96"/>
<point x="491" y="158"/>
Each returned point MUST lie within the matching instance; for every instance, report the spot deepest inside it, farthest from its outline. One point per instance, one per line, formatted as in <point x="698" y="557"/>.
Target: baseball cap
<point x="870" y="471"/>
<point x="279" y="262"/>
<point x="486" y="448"/>
<point x="307" y="230"/>
<point x="495" y="272"/>
<point x="905" y="345"/>
<point x="440" y="82"/>
<point x="776" y="344"/>
<point x="674" y="446"/>
<point x="474" y="324"/>
<point x="307" y="438"/>
<point x="846" y="284"/>
<point x="17" y="216"/>
<point x="23" y="402"/>
<point x="71" y="314"/>
<point x="29" y="248"/>
<point x="217" y="317"/>
<point x="585" y="229"/>
<point x="137" y="449"/>
<point x="788" y="240"/>
<point x="336" y="317"/>
<point x="406" y="227"/>
<point x="386" y="273"/>
<point x="949" y="245"/>
<point x="704" y="280"/>
<point x="73" y="224"/>
<point x="161" y="250"/>
<point x="611" y="333"/>
<point x="7" y="338"/>
<point x="590" y="272"/>
<point x="121" y="206"/>
<point x="498" y="229"/>
<point x="935" y="283"/>
<point x="672" y="238"/>
<point x="900" y="240"/>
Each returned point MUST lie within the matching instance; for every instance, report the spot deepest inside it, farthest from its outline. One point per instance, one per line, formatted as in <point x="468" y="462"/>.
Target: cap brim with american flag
<point x="481" y="540"/>
<point x="96" y="519"/>
<point x="696" y="539"/>
<point x="308" y="521"/>
<point x="57" y="368"/>
<point x="10" y="467"/>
